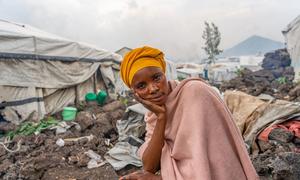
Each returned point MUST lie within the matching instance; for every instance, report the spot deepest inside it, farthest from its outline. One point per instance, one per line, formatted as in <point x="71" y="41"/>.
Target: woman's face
<point x="150" y="84"/>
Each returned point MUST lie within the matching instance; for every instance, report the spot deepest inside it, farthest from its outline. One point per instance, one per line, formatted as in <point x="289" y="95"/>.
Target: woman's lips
<point x="156" y="99"/>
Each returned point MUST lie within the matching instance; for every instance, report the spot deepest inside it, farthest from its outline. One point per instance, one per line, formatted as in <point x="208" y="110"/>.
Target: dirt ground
<point x="41" y="158"/>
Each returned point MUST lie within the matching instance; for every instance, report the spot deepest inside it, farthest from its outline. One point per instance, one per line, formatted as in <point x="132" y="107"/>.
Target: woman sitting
<point x="190" y="132"/>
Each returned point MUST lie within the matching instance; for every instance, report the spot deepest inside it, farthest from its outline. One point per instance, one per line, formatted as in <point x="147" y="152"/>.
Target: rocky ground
<point x="279" y="157"/>
<point x="39" y="157"/>
<point x="276" y="78"/>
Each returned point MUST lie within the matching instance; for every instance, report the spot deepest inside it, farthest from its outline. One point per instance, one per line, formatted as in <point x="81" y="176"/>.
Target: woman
<point x="190" y="132"/>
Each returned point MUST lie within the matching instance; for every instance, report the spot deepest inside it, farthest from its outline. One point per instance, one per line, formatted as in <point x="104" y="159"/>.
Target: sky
<point x="174" y="26"/>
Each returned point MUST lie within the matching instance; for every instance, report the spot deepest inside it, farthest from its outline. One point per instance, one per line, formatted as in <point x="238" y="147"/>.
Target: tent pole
<point x="77" y="95"/>
<point x="95" y="81"/>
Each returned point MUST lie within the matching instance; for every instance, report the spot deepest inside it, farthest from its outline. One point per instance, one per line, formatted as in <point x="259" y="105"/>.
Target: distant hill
<point x="253" y="46"/>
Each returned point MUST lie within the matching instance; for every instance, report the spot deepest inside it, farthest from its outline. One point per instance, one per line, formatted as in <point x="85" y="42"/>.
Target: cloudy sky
<point x="175" y="26"/>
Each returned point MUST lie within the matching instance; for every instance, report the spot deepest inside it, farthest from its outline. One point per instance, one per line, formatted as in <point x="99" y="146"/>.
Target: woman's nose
<point x="153" y="88"/>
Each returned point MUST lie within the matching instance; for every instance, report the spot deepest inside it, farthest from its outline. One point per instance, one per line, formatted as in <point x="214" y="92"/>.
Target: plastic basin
<point x="69" y="113"/>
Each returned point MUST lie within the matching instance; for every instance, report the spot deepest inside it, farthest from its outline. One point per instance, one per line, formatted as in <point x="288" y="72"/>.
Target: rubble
<point x="279" y="153"/>
<point x="281" y="135"/>
<point x="276" y="78"/>
<point x="279" y="156"/>
<point x="284" y="165"/>
<point x="39" y="156"/>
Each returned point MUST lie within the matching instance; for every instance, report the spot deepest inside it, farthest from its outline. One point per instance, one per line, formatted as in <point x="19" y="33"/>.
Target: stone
<point x="281" y="135"/>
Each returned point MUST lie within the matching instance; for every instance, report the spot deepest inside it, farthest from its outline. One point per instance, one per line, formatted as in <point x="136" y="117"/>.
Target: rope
<point x="9" y="150"/>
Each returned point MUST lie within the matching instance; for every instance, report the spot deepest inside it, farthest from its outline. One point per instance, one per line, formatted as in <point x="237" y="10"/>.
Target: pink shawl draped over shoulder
<point x="201" y="140"/>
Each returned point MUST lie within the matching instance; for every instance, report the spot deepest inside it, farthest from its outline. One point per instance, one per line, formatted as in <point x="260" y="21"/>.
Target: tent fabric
<point x="44" y="74"/>
<point x="63" y="97"/>
<point x="292" y="38"/>
<point x="253" y="115"/>
<point x="22" y="103"/>
<point x="41" y="72"/>
<point x="244" y="108"/>
<point x="25" y="39"/>
<point x="130" y="129"/>
<point x="31" y="57"/>
<point x="171" y="72"/>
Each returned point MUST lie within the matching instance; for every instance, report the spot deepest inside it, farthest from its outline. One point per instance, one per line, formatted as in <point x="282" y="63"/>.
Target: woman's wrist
<point x="158" y="177"/>
<point x="161" y="116"/>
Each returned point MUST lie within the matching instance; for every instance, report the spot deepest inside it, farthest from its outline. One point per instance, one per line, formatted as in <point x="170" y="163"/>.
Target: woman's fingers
<point x="144" y="102"/>
<point x="133" y="176"/>
<point x="129" y="177"/>
<point x="137" y="97"/>
<point x="149" y="105"/>
<point x="140" y="175"/>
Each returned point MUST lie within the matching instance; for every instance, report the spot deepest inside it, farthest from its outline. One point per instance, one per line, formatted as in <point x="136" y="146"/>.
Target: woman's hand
<point x="152" y="154"/>
<point x="141" y="175"/>
<point x="156" y="109"/>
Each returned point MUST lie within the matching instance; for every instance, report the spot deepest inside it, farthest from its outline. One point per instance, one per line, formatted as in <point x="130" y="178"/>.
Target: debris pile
<point x="279" y="156"/>
<point x="276" y="78"/>
<point x="74" y="149"/>
<point x="271" y="131"/>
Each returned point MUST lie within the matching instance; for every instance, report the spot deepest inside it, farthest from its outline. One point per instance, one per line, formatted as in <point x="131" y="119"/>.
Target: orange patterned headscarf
<point x="138" y="59"/>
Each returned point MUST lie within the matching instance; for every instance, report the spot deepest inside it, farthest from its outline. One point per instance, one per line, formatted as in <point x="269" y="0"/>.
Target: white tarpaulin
<point x="44" y="74"/>
<point x="252" y="115"/>
<point x="40" y="72"/>
<point x="220" y="72"/>
<point x="292" y="38"/>
<point x="130" y="129"/>
<point x="24" y="39"/>
<point x="47" y="61"/>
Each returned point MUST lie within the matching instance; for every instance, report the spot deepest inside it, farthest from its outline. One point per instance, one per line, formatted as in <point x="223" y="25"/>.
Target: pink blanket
<point x="201" y="139"/>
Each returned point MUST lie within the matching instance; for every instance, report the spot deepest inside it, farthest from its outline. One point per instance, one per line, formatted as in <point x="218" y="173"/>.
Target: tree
<point x="212" y="37"/>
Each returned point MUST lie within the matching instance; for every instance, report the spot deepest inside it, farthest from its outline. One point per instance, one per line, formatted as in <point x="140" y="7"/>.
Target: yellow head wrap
<point x="138" y="59"/>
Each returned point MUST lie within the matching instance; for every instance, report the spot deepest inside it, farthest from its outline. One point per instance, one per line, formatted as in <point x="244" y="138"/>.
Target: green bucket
<point x="69" y="113"/>
<point x="90" y="97"/>
<point x="101" y="97"/>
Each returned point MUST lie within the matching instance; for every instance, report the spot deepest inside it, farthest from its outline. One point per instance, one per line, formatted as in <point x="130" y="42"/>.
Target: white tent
<point x="40" y="73"/>
<point x="292" y="38"/>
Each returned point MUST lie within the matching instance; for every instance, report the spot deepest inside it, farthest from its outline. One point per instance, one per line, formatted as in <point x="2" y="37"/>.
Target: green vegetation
<point x="123" y="100"/>
<point x="281" y="80"/>
<point x="180" y="78"/>
<point x="239" y="72"/>
<point x="28" y="128"/>
<point x="212" y="37"/>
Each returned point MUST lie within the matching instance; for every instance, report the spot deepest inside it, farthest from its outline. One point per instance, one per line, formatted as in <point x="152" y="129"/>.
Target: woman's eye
<point x="141" y="86"/>
<point x="157" y="78"/>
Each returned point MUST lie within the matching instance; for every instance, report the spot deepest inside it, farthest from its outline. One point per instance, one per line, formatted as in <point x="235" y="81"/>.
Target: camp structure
<point x="292" y="39"/>
<point x="40" y="73"/>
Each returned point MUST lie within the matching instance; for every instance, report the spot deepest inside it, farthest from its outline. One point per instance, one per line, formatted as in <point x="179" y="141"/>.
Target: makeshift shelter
<point x="292" y="38"/>
<point x="184" y="73"/>
<point x="254" y="114"/>
<point x="40" y="73"/>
